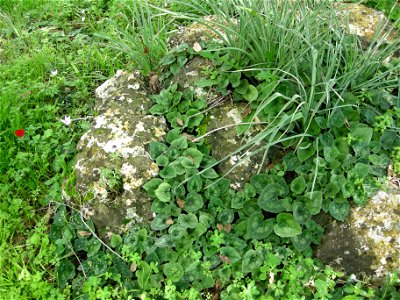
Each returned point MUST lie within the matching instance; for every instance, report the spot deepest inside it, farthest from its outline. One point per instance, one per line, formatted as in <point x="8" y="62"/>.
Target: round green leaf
<point x="151" y="185"/>
<point x="162" y="160"/>
<point x="242" y="87"/>
<point x="339" y="210"/>
<point x="180" y="142"/>
<point x="298" y="185"/>
<point x="231" y="253"/>
<point x="168" y="172"/>
<point x="188" y="221"/>
<point x="156" y="149"/>
<point x="252" y="261"/>
<point x="305" y="151"/>
<point x="193" y="202"/>
<point x="159" y="222"/>
<point x="226" y="216"/>
<point x="173" y="271"/>
<point x="177" y="232"/>
<point x="195" y="155"/>
<point x="163" y="192"/>
<point x="251" y="93"/>
<point x="195" y="184"/>
<point x="269" y="200"/>
<point x="257" y="228"/>
<point x="286" y="225"/>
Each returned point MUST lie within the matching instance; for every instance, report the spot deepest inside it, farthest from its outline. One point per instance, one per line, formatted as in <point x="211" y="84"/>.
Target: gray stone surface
<point x="113" y="161"/>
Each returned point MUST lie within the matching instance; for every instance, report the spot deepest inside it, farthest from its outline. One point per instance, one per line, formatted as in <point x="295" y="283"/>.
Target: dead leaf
<point x="133" y="267"/>
<point x="196" y="47"/>
<point x="179" y="121"/>
<point x="83" y="233"/>
<point x="220" y="227"/>
<point x="169" y="222"/>
<point x="181" y="203"/>
<point x="228" y="227"/>
<point x="188" y="136"/>
<point x="224" y="259"/>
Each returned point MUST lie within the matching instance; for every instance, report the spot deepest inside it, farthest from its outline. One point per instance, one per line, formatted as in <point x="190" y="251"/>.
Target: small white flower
<point x="67" y="120"/>
<point x="53" y="72"/>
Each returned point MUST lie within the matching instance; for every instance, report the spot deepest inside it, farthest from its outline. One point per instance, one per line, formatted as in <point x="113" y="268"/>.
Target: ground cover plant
<point x="207" y="239"/>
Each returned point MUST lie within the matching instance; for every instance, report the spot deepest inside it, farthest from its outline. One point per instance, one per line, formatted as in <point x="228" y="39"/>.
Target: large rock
<point x="113" y="161"/>
<point x="368" y="242"/>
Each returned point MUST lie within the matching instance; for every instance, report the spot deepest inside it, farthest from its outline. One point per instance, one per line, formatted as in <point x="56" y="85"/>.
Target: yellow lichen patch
<point x="364" y="21"/>
<point x="378" y="223"/>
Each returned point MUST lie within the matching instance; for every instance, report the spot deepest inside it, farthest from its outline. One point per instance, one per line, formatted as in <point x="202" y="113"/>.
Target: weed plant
<point x="330" y="103"/>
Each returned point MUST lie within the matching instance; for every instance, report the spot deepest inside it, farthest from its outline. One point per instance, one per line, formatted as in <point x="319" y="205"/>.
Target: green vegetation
<point x="332" y="105"/>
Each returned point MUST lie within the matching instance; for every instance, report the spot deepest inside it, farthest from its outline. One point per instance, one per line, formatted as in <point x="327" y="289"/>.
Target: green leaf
<point x="251" y="93"/>
<point x="361" y="132"/>
<point x="286" y="225"/>
<point x="315" y="203"/>
<point x="259" y="182"/>
<point x="305" y="151"/>
<point x="151" y="185"/>
<point x="173" y="134"/>
<point x="156" y="149"/>
<point x="161" y="207"/>
<point x="163" y="192"/>
<point x="252" y="261"/>
<point x="226" y="216"/>
<point x="206" y="82"/>
<point x="116" y="240"/>
<point x="159" y="222"/>
<point x="195" y="184"/>
<point x="298" y="185"/>
<point x="188" y="221"/>
<point x="65" y="272"/>
<point x="209" y="173"/>
<point x="143" y="275"/>
<point x="339" y="210"/>
<point x="167" y="59"/>
<point x="180" y="142"/>
<point x="168" y="172"/>
<point x="301" y="242"/>
<point x="195" y="155"/>
<point x="331" y="189"/>
<point x="234" y="78"/>
<point x="162" y="160"/>
<point x="242" y="87"/>
<point x="269" y="201"/>
<point x="300" y="210"/>
<point x="173" y="271"/>
<point x="257" y="228"/>
<point x="177" y="232"/>
<point x="193" y="202"/>
<point x="231" y="253"/>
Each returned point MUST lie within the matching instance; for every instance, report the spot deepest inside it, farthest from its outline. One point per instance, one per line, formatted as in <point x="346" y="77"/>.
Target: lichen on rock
<point x="113" y="161"/>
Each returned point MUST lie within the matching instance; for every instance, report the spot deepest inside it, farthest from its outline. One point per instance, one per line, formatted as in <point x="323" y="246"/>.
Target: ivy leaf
<point x="173" y="271"/>
<point x="251" y="93"/>
<point x="252" y="261"/>
<point x="168" y="172"/>
<point x="242" y="87"/>
<point x="194" y="202"/>
<point x="361" y="132"/>
<point x="162" y="160"/>
<point x="188" y="221"/>
<point x="177" y="232"/>
<point x="305" y="151"/>
<point x="195" y="155"/>
<point x="159" y="222"/>
<point x="298" y="185"/>
<point x="195" y="184"/>
<point x="209" y="173"/>
<point x="163" y="192"/>
<point x="180" y="142"/>
<point x="65" y="272"/>
<point x="257" y="228"/>
<point x="286" y="225"/>
<point x="269" y="200"/>
<point x="315" y="204"/>
<point x="231" y="253"/>
<point x="156" y="149"/>
<point x="339" y="210"/>
<point x="151" y="185"/>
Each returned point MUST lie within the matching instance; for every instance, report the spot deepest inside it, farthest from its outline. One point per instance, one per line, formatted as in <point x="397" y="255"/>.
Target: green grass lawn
<point x="54" y="53"/>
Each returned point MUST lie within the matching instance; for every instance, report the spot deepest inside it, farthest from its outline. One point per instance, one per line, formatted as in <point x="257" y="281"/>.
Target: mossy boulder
<point x="113" y="160"/>
<point x="367" y="244"/>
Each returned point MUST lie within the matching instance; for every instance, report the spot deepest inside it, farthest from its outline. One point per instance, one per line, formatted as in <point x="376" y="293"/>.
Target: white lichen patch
<point x="128" y="170"/>
<point x="234" y="115"/>
<point x="139" y="127"/>
<point x="100" y="121"/>
<point x="378" y="224"/>
<point x="134" y="86"/>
